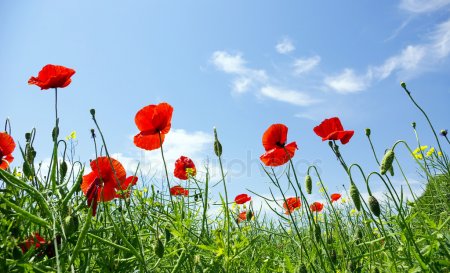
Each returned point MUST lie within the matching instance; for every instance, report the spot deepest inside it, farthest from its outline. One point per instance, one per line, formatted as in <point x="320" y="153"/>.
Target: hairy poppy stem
<point x="165" y="169"/>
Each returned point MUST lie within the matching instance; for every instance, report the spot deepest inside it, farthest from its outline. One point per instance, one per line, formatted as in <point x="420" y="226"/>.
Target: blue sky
<point x="236" y="65"/>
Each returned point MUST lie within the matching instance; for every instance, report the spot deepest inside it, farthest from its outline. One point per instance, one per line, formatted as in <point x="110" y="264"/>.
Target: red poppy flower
<point x="34" y="240"/>
<point x="242" y="199"/>
<point x="331" y="129"/>
<point x="101" y="183"/>
<point x="52" y="76"/>
<point x="152" y="120"/>
<point x="126" y="187"/>
<point x="7" y="146"/>
<point x="291" y="204"/>
<point x="183" y="166"/>
<point x="274" y="142"/>
<point x="335" y="197"/>
<point x="316" y="207"/>
<point x="242" y="216"/>
<point x="179" y="190"/>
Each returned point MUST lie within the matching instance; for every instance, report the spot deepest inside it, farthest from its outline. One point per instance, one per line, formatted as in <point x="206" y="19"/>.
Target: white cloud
<point x="302" y="66"/>
<point x="228" y="63"/>
<point x="236" y="65"/>
<point x="285" y="46"/>
<point x="412" y="60"/>
<point x="286" y="95"/>
<point x="347" y="82"/>
<point x="422" y="6"/>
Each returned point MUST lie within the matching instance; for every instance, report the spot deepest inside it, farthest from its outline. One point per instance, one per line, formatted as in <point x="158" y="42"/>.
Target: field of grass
<point x="90" y="217"/>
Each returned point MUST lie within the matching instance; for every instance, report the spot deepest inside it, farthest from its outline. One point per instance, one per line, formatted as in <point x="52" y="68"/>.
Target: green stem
<point x="165" y="168"/>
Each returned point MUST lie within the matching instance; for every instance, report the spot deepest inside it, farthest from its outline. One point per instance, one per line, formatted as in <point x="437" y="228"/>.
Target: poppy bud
<point x="374" y="206"/>
<point x="168" y="235"/>
<point x="71" y="224"/>
<point x="159" y="248"/>
<point x="444" y="133"/>
<point x="302" y="269"/>
<point x="403" y="84"/>
<point x="368" y="132"/>
<point x="413" y="124"/>
<point x="317" y="232"/>
<point x="308" y="184"/>
<point x="92" y="133"/>
<point x="63" y="170"/>
<point x="249" y="215"/>
<point x="354" y="193"/>
<point x="217" y="145"/>
<point x="27" y="169"/>
<point x="55" y="133"/>
<point x="386" y="163"/>
<point x="28" y="137"/>
<point x="92" y="111"/>
<point x="391" y="170"/>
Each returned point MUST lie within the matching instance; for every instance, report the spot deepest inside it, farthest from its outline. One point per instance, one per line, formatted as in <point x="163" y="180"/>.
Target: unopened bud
<point x="368" y="132"/>
<point x="308" y="184"/>
<point x="92" y="111"/>
<point x="374" y="206"/>
<point x="386" y="163"/>
<point x="354" y="194"/>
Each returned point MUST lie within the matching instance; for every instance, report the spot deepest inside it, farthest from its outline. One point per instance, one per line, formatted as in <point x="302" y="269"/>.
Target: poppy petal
<point x="7" y="143"/>
<point x="275" y="136"/>
<point x="148" y="142"/>
<point x="162" y="117"/>
<point x="102" y="166"/>
<point x="144" y="117"/>
<point x="328" y="126"/>
<point x="88" y="180"/>
<point x="242" y="198"/>
<point x="279" y="156"/>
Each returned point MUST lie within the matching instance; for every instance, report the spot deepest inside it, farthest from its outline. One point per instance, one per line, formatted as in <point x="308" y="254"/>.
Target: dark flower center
<point x="281" y="145"/>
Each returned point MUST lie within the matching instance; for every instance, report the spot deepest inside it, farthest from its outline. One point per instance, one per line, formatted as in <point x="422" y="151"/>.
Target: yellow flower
<point x="145" y="189"/>
<point x="343" y="200"/>
<point x="418" y="156"/>
<point x="439" y="153"/>
<point x="430" y="152"/>
<point x="73" y="135"/>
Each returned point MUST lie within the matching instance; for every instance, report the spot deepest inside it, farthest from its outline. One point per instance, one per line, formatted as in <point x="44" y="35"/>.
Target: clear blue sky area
<point x="237" y="65"/>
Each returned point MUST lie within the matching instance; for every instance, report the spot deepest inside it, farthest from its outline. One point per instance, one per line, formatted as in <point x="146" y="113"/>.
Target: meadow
<point x="92" y="216"/>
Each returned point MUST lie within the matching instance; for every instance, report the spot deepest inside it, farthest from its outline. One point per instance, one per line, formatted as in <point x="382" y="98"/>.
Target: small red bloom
<point x="7" y="146"/>
<point x="274" y="142"/>
<point x="34" y="240"/>
<point x="316" y="207"/>
<point x="291" y="204"/>
<point x="335" y="197"/>
<point x="52" y="76"/>
<point x="152" y="120"/>
<point x="181" y="168"/>
<point x="242" y="216"/>
<point x="331" y="129"/>
<point x="126" y="187"/>
<point x="101" y="183"/>
<point x="242" y="199"/>
<point x="179" y="190"/>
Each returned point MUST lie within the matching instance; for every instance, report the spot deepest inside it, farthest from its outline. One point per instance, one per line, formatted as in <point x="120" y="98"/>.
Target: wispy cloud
<point x="285" y="46"/>
<point x="235" y="64"/>
<point x="423" y="6"/>
<point x="286" y="95"/>
<point x="257" y="79"/>
<point x="412" y="60"/>
<point x="302" y="66"/>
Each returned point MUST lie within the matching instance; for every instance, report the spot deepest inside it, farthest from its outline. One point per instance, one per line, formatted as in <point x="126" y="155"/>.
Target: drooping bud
<point x="368" y="132"/>
<point x="168" y="235"/>
<point x="217" y="145"/>
<point x="308" y="184"/>
<point x="354" y="194"/>
<point x="159" y="248"/>
<point x="63" y="170"/>
<point x="55" y="133"/>
<point x="27" y="169"/>
<point x="374" y="206"/>
<point x="386" y="163"/>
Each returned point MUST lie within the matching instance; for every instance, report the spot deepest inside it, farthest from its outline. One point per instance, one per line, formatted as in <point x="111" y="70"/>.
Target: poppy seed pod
<point x="55" y="133"/>
<point x="403" y="84"/>
<point x="368" y="132"/>
<point x="92" y="111"/>
<point x="374" y="206"/>
<point x="159" y="248"/>
<point x="217" y="145"/>
<point x="28" y="137"/>
<point x="444" y="133"/>
<point x="386" y="163"/>
<point x="308" y="184"/>
<point x="413" y="124"/>
<point x="63" y="170"/>
<point x="354" y="193"/>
